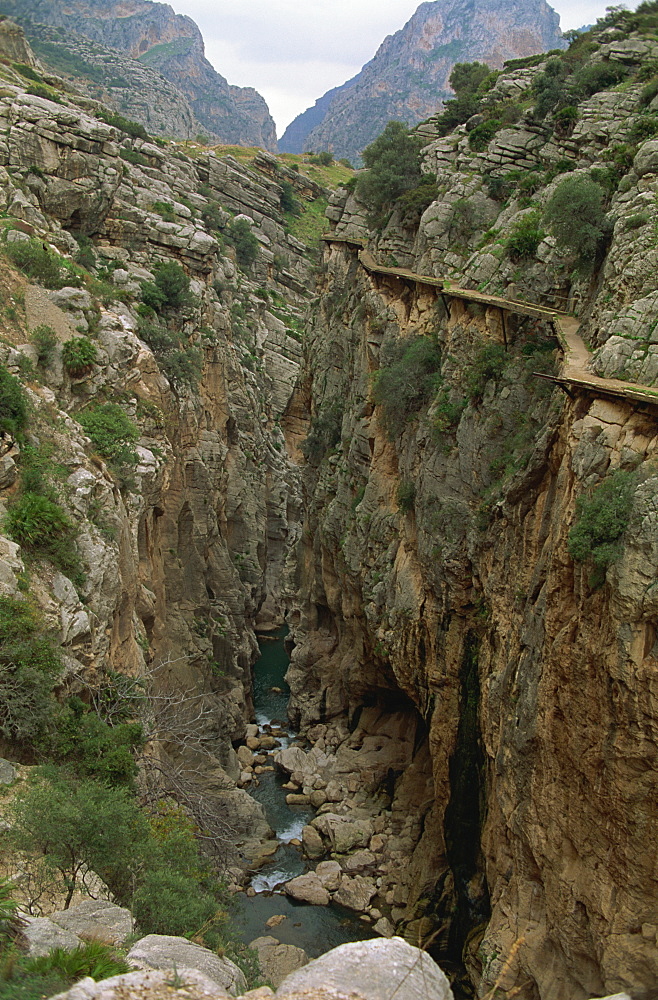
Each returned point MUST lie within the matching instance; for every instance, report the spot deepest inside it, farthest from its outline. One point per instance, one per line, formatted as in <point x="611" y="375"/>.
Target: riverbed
<point x="316" y="929"/>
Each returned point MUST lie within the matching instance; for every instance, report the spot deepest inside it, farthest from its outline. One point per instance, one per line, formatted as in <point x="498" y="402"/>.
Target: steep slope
<point x="442" y="579"/>
<point x="408" y="78"/>
<point x="172" y="45"/>
<point x="182" y="540"/>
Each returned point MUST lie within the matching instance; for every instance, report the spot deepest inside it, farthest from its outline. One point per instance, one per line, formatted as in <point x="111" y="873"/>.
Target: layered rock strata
<point x="435" y="571"/>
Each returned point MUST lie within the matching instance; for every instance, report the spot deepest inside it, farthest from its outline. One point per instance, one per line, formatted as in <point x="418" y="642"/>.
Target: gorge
<point x="374" y="431"/>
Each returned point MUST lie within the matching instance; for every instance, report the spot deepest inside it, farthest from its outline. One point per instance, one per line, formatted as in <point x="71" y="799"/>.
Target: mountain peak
<point x="407" y="79"/>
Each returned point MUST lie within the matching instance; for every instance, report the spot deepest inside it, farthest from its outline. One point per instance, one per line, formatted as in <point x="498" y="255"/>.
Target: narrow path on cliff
<point x="577" y="356"/>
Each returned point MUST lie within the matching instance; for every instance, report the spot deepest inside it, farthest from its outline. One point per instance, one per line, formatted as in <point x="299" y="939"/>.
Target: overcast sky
<point x="292" y="51"/>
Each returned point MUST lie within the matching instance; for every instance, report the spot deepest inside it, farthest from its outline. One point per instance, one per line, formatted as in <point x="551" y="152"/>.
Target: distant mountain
<point x="408" y="78"/>
<point x="168" y="43"/>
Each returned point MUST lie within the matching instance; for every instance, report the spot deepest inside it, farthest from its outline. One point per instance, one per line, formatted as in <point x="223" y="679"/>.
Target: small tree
<point x="576" y="218"/>
<point x="393" y="162"/>
<point x="79" y="826"/>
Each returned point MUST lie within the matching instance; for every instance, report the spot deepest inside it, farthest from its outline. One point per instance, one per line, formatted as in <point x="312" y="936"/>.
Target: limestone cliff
<point x="185" y="551"/>
<point x="408" y="77"/>
<point x="436" y="575"/>
<point x="170" y="44"/>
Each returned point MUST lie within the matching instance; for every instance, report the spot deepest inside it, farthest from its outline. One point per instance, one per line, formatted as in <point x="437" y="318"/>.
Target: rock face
<point x="278" y="960"/>
<point x="408" y="77"/>
<point x="526" y="684"/>
<point x="172" y="45"/>
<point x="180" y="566"/>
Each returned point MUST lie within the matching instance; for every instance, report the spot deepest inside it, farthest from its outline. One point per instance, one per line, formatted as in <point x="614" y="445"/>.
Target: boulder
<point x="42" y="935"/>
<point x="312" y="842"/>
<point x="162" y="951"/>
<point x="307" y="889"/>
<point x="330" y="874"/>
<point x="184" y="984"/>
<point x="98" y="919"/>
<point x="384" y="927"/>
<point x="375" y="970"/>
<point x="278" y="960"/>
<point x="355" y="893"/>
<point x="344" y="834"/>
<point x="359" y="860"/>
<point x="7" y="772"/>
<point x="290" y="759"/>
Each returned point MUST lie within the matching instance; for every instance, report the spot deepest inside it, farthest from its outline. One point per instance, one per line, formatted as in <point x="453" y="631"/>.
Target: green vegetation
<point x="47" y="93"/>
<point x="308" y="222"/>
<point x="163" y="300"/>
<point x="576" y="218"/>
<point x="112" y="432"/>
<point x="525" y="237"/>
<point x="480" y="137"/>
<point x="407" y="379"/>
<point x="28" y="72"/>
<point x="134" y="157"/>
<point x="164" y="209"/>
<point x="133" y="129"/>
<point x="78" y="356"/>
<point x="40" y="264"/>
<point x="406" y="496"/>
<point x="602" y="517"/>
<point x="13" y="405"/>
<point x="240" y="236"/>
<point x="324" y="432"/>
<point x="23" y="978"/>
<point x="29" y="667"/>
<point x="42" y="527"/>
<point x="393" y="171"/>
<point x="489" y="363"/>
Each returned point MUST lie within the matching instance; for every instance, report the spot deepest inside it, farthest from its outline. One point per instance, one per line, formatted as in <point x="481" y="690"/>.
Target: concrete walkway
<point x="574" y="372"/>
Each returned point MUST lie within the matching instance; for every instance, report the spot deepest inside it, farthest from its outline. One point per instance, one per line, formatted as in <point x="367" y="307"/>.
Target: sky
<point x="292" y="51"/>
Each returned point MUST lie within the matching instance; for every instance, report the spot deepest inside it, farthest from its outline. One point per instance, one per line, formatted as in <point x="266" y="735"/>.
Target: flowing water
<point x="316" y="929"/>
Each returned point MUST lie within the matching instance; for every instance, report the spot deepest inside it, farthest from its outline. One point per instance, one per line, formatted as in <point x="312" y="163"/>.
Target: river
<point x="316" y="929"/>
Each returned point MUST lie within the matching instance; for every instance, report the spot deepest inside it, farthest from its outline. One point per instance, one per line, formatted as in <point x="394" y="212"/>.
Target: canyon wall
<point x="435" y="572"/>
<point x="185" y="551"/>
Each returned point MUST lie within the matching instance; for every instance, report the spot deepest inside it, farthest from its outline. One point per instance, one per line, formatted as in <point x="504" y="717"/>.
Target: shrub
<point x="132" y="156"/>
<point x="406" y="496"/>
<point x="287" y="199"/>
<point x="47" y="93"/>
<point x="170" y="289"/>
<point x="112" y="432"/>
<point x="324" y="432"/>
<point x="123" y="124"/>
<point x="29" y="666"/>
<point x="598" y="76"/>
<point x="164" y="209"/>
<point x="565" y="119"/>
<point x="85" y="255"/>
<point x="575" y="216"/>
<point x="393" y="168"/>
<point x="92" y="959"/>
<point x="489" y="363"/>
<point x="170" y="903"/>
<point x="92" y="748"/>
<point x="407" y="379"/>
<point x="27" y="72"/>
<point x="45" y="340"/>
<point x="37" y="262"/>
<point x="239" y="234"/>
<point x="323" y="159"/>
<point x="212" y="216"/>
<point x="446" y="412"/>
<point x="78" y="356"/>
<point x="466" y="78"/>
<point x="13" y="406"/>
<point x="414" y="201"/>
<point x="40" y="525"/>
<point x="79" y="825"/>
<point x="525" y="237"/>
<point x="601" y="520"/>
<point x="480" y="137"/>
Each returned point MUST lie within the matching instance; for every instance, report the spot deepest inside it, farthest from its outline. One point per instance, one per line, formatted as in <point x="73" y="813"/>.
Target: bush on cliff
<point x="13" y="405"/>
<point x="407" y="379"/>
<point x="602" y="517"/>
<point x="575" y="216"/>
<point x="111" y="431"/>
<point x="393" y="171"/>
